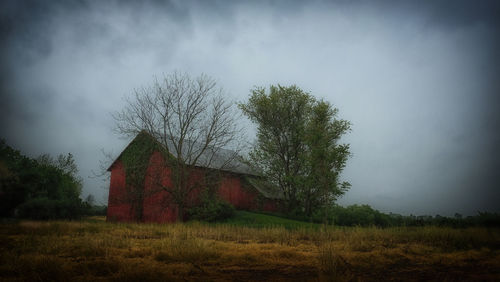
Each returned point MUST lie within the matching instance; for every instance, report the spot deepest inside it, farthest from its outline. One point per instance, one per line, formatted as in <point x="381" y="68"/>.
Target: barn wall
<point x="158" y="205"/>
<point x="232" y="191"/>
<point x="119" y="208"/>
<point x="270" y="205"/>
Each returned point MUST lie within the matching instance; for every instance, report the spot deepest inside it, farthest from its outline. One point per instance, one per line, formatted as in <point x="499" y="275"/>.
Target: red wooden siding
<point x="119" y="208"/>
<point x="158" y="205"/>
<point x="231" y="190"/>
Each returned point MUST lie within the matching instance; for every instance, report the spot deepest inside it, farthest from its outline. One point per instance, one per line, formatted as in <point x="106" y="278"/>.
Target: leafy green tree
<point x="60" y="176"/>
<point x="280" y="150"/>
<point x="297" y="146"/>
<point x="42" y="189"/>
<point x="325" y="159"/>
<point x="18" y="179"/>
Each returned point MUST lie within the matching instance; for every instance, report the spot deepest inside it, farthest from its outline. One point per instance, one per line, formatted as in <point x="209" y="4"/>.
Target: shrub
<point x="45" y="188"/>
<point x="212" y="210"/>
<point x="45" y="208"/>
<point x="93" y="210"/>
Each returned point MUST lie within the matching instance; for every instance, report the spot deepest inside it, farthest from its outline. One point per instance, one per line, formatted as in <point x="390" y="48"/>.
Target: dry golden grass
<point x="96" y="250"/>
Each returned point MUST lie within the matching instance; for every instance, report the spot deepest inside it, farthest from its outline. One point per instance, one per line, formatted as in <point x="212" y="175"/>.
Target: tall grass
<point x="93" y="249"/>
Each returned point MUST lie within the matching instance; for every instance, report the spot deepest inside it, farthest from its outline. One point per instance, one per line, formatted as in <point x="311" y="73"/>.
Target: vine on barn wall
<point x="135" y="160"/>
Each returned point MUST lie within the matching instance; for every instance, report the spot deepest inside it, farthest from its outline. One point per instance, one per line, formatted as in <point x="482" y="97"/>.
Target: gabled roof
<point x="264" y="187"/>
<point x="213" y="158"/>
<point x="218" y="161"/>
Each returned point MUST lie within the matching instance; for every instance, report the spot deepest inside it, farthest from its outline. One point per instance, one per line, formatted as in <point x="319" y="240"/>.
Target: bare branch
<point x="192" y="119"/>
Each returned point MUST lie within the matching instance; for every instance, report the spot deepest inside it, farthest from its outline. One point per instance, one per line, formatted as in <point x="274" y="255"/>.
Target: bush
<point x="92" y="210"/>
<point x="484" y="219"/>
<point x="45" y="188"/>
<point x="45" y="208"/>
<point x="361" y="215"/>
<point x="212" y="210"/>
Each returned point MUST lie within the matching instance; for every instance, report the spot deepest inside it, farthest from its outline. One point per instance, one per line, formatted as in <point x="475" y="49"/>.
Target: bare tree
<point x="192" y="120"/>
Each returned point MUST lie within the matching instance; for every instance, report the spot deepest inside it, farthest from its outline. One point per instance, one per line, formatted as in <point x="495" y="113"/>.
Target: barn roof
<point x="265" y="188"/>
<point x="214" y="158"/>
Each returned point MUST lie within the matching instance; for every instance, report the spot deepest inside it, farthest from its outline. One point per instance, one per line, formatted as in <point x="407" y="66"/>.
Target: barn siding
<point x="232" y="191"/>
<point x="158" y="206"/>
<point x="119" y="208"/>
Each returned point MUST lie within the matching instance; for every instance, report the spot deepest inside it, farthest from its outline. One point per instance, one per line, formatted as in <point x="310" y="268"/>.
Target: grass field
<point x="249" y="247"/>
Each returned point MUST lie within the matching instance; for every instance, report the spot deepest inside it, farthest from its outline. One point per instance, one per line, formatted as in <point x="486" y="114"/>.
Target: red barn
<point x="146" y="203"/>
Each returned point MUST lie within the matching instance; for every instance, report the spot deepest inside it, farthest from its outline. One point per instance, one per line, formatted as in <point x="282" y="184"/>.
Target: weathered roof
<point x="214" y="158"/>
<point x="217" y="159"/>
<point x="265" y="188"/>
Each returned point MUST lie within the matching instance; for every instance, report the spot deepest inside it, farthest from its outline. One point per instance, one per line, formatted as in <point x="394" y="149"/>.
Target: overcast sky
<point x="419" y="80"/>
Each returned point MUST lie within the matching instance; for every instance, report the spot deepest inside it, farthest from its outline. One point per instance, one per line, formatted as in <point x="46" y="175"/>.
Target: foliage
<point x="297" y="146"/>
<point x="484" y="219"/>
<point x="365" y="215"/>
<point x="359" y="215"/>
<point x="280" y="151"/>
<point x="45" y="188"/>
<point x="18" y="178"/>
<point x="135" y="159"/>
<point x="325" y="159"/>
<point x="212" y="210"/>
<point x="45" y="209"/>
<point x="95" y="210"/>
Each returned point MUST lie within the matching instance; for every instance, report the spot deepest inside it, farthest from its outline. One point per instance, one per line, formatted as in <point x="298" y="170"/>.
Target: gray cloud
<point x="417" y="79"/>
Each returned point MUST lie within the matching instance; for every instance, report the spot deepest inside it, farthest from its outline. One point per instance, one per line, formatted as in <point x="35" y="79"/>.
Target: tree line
<point x="41" y="188"/>
<point x="365" y="215"/>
